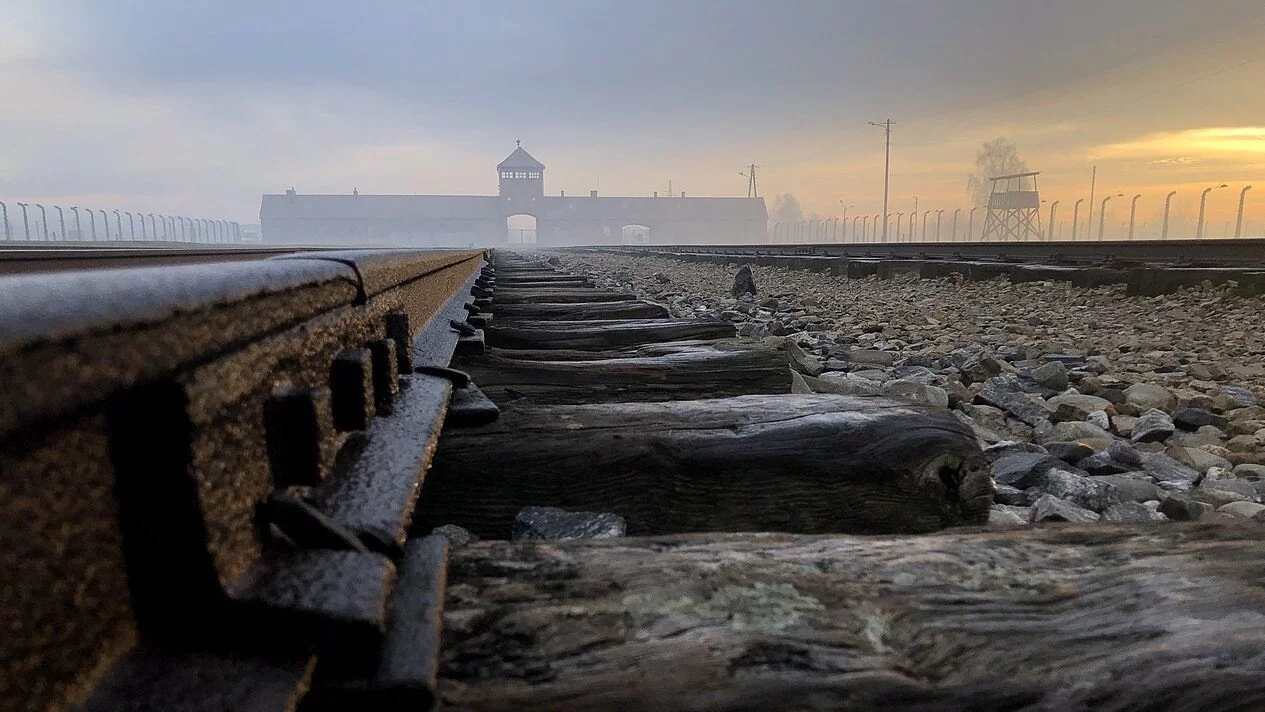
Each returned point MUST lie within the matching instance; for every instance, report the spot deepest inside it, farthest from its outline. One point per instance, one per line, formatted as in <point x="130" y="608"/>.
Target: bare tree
<point x="786" y="209"/>
<point x="998" y="157"/>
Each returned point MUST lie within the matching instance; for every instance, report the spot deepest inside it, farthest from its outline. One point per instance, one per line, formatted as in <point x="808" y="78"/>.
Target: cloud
<point x="1175" y="161"/>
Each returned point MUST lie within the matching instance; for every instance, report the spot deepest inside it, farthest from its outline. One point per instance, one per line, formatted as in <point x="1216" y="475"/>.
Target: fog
<point x="198" y="109"/>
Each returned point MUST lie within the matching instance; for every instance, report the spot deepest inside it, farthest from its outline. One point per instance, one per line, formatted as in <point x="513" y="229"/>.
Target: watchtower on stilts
<point x="1014" y="208"/>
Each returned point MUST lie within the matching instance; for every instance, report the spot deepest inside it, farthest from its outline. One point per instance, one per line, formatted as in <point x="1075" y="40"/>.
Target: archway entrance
<point x="635" y="235"/>
<point x="521" y="229"/>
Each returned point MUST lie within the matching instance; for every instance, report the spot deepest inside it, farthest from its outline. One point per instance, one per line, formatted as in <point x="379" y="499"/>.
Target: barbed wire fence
<point x="35" y="222"/>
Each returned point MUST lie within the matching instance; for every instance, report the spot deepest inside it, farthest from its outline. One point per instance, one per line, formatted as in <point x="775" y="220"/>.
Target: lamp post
<point x="1203" y="203"/>
<point x="1102" y="214"/>
<point x="938" y="214"/>
<point x="970" y="224"/>
<point x="78" y="225"/>
<point x="61" y="220"/>
<point x="845" y="216"/>
<point x="899" y="217"/>
<point x="956" y="213"/>
<point x="118" y="223"/>
<point x="1168" y="200"/>
<point x="865" y="228"/>
<point x="854" y="227"/>
<point x="43" y="220"/>
<point x="1053" y="208"/>
<point x="1238" y="229"/>
<point x="153" y="225"/>
<point x="925" y="215"/>
<point x="131" y="225"/>
<point x="105" y="224"/>
<point x="184" y="228"/>
<point x="26" y="223"/>
<point x="92" y="223"/>
<point x="5" y="209"/>
<point x="1076" y="213"/>
<point x="1133" y="214"/>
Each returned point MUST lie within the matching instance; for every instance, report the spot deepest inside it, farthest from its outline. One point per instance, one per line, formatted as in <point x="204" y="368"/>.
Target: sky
<point x="201" y="106"/>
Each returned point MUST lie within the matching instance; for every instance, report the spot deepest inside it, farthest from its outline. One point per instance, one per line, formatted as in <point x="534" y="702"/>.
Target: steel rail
<point x="1209" y="253"/>
<point x="208" y="473"/>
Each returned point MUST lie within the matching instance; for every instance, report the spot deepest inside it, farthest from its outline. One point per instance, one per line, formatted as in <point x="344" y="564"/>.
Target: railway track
<point x="1192" y="253"/>
<point x="56" y="257"/>
<point x="220" y="487"/>
<point x="1147" y="267"/>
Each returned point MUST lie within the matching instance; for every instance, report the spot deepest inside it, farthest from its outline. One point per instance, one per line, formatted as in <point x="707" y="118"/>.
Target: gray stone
<point x="980" y="367"/>
<point x="1052" y="375"/>
<point x="1100" y="418"/>
<point x="1145" y="397"/>
<point x="1124" y="453"/>
<point x="840" y="383"/>
<point x="1217" y="497"/>
<point x="1086" y="492"/>
<point x="1213" y="474"/>
<point x="1069" y="452"/>
<point x="1180" y="508"/>
<point x="999" y="515"/>
<point x="1006" y="392"/>
<point x="1250" y="471"/>
<point x="1152" y="426"/>
<point x="1239" y="397"/>
<point x="744" y="283"/>
<point x="1243" y="488"/>
<point x="920" y="374"/>
<point x="1131" y="513"/>
<point x="1194" y="418"/>
<point x="1077" y="431"/>
<point x="917" y="392"/>
<point x="1242" y="510"/>
<point x="1132" y="489"/>
<point x="1101" y="463"/>
<point x="1067" y="413"/>
<point x="1023" y="470"/>
<point x="1049" y="508"/>
<point x="1164" y="469"/>
<point x="1005" y="494"/>
<point x="1080" y="401"/>
<point x="1196" y="459"/>
<point x="997" y="451"/>
<point x="558" y="524"/>
<point x="802" y="361"/>
<point x="455" y="535"/>
<point x="872" y="356"/>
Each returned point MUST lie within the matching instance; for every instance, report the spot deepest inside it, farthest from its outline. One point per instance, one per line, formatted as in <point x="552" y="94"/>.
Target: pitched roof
<point x="521" y="159"/>
<point x="650" y="209"/>
<point x="380" y="207"/>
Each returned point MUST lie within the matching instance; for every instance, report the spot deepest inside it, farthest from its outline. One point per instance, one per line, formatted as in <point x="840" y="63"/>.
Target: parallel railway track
<point x="219" y="486"/>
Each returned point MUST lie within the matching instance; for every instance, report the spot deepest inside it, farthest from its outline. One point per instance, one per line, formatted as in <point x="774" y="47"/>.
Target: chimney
<point x="592" y="193"/>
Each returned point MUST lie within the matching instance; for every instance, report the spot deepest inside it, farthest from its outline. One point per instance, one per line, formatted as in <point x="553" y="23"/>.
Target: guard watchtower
<point x="1014" y="208"/>
<point x="522" y="179"/>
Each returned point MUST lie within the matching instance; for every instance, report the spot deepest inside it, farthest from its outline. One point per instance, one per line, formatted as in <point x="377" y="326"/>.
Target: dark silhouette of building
<point x="461" y="220"/>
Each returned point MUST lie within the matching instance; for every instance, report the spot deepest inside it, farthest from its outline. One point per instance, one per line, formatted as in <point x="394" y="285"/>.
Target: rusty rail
<point x="206" y="474"/>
